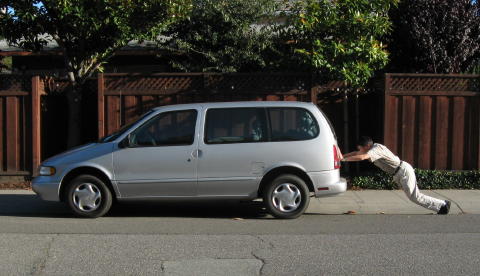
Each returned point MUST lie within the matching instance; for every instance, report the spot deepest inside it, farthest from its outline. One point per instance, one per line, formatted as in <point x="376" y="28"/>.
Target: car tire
<point x="286" y="197"/>
<point x="87" y="196"/>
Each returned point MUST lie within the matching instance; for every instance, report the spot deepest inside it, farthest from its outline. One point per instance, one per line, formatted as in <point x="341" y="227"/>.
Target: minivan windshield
<point x="122" y="130"/>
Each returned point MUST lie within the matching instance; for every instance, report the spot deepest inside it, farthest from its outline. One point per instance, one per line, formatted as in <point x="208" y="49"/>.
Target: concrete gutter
<point x="360" y="202"/>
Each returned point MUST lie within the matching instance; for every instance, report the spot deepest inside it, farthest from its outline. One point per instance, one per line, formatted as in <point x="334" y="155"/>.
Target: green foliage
<point x="88" y="32"/>
<point x="343" y="38"/>
<point x="5" y="64"/>
<point x="220" y="35"/>
<point x="427" y="179"/>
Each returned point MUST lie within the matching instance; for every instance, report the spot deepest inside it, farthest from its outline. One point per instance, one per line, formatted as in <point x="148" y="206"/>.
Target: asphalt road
<point x="39" y="238"/>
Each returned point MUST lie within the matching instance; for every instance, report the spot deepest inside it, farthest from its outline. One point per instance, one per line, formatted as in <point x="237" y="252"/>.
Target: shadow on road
<point x="28" y="205"/>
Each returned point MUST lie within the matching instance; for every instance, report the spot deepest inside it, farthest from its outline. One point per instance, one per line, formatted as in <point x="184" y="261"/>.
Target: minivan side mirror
<point x="125" y="143"/>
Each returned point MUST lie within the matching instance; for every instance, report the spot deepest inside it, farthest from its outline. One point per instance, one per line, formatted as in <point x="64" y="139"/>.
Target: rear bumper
<point x="45" y="188"/>
<point x="328" y="183"/>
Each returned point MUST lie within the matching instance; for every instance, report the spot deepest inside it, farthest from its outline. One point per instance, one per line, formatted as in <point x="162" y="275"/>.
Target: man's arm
<point x="351" y="154"/>
<point x="357" y="157"/>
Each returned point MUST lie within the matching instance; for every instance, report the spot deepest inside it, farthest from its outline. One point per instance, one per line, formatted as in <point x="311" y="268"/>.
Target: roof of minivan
<point x="242" y="104"/>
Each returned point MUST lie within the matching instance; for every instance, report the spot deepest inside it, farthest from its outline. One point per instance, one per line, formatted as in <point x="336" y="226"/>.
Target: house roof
<point x="133" y="48"/>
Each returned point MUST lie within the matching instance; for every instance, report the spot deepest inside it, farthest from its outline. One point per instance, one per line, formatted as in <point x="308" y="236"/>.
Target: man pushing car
<point x="402" y="172"/>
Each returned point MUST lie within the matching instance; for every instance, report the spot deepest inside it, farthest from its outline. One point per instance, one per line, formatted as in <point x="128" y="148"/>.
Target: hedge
<point x="427" y="179"/>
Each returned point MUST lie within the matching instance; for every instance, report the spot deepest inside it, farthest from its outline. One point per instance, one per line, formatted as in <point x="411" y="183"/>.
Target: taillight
<point x="336" y="157"/>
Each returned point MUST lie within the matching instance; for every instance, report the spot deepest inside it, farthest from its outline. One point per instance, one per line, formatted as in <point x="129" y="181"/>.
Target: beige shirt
<point x="383" y="158"/>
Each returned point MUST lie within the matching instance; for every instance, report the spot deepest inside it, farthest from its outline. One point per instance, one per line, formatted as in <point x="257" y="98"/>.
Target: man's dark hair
<point x="365" y="141"/>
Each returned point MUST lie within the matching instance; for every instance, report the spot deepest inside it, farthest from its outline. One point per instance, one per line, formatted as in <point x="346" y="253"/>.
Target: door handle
<point x="196" y="153"/>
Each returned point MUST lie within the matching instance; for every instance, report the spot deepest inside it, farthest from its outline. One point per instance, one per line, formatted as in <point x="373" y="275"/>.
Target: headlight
<point x="46" y="171"/>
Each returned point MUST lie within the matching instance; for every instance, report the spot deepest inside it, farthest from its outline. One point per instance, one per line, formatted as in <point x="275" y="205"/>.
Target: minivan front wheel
<point x="286" y="197"/>
<point x="88" y="196"/>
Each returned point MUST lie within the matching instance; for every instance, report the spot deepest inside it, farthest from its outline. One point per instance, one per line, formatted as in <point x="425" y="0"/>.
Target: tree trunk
<point x="357" y="125"/>
<point x="346" y="128"/>
<point x="74" y="99"/>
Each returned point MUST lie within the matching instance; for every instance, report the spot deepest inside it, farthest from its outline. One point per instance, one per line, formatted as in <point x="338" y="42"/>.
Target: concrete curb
<point x="394" y="202"/>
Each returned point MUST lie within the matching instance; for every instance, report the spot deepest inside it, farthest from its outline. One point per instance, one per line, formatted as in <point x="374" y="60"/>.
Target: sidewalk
<point x="360" y="202"/>
<point x="394" y="202"/>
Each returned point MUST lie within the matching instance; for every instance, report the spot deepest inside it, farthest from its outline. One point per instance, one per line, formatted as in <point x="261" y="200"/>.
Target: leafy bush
<point x="342" y="39"/>
<point x="427" y="179"/>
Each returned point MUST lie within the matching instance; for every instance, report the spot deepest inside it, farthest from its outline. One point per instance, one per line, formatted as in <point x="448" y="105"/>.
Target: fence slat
<point x="12" y="131"/>
<point x="477" y="113"/>
<point x="441" y="133"/>
<point x="391" y="123"/>
<point x="458" y="133"/>
<point x="2" y="145"/>
<point x="35" y="123"/>
<point x="408" y="131"/>
<point x="113" y="117"/>
<point x="148" y="102"/>
<point x="425" y="132"/>
<point x="130" y="109"/>
<point x="101" y="105"/>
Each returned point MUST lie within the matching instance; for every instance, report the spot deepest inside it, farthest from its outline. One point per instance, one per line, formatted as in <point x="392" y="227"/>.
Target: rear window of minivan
<point x="250" y="125"/>
<point x="292" y="124"/>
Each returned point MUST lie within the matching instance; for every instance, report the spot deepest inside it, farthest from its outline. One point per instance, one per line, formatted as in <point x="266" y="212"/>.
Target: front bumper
<point x="46" y="188"/>
<point x="328" y="183"/>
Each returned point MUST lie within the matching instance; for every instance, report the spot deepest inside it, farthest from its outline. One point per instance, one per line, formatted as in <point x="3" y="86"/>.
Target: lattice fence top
<point x="255" y="83"/>
<point x="431" y="82"/>
<point x="208" y="82"/>
<point x="153" y="82"/>
<point x="15" y="83"/>
<point x="59" y="85"/>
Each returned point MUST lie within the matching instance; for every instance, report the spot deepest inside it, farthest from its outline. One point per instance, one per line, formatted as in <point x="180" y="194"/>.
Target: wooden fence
<point x="432" y="120"/>
<point x="19" y="124"/>
<point x="124" y="97"/>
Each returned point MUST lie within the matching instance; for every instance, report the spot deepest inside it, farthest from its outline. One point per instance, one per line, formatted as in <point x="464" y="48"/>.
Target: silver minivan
<point x="282" y="152"/>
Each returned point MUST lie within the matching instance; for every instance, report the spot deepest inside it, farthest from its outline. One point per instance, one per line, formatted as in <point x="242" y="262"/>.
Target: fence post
<point x="313" y="89"/>
<point x="36" y="120"/>
<point x="386" y="115"/>
<point x="314" y="94"/>
<point x="101" y="105"/>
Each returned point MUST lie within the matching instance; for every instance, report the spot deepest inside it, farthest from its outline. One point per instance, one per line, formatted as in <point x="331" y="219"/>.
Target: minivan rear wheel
<point x="88" y="196"/>
<point x="286" y="197"/>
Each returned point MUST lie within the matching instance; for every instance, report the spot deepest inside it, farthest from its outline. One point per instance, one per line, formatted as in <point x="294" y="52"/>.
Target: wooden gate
<point x="432" y="120"/>
<point x="19" y="124"/>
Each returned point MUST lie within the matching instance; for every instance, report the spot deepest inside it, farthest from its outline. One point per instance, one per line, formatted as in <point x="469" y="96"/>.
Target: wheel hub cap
<point x="87" y="197"/>
<point x="286" y="197"/>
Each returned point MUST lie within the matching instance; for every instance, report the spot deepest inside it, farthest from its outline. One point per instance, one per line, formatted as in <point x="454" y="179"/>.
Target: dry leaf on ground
<point x="350" y="212"/>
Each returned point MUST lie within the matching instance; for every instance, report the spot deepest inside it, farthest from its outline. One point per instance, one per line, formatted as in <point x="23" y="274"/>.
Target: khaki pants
<point x="405" y="177"/>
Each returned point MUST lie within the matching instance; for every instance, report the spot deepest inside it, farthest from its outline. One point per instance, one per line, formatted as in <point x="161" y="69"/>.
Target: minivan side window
<point x="235" y="125"/>
<point x="166" y="129"/>
<point x="292" y="124"/>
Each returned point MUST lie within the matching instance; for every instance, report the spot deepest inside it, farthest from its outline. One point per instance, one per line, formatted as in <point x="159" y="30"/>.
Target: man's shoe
<point x="445" y="208"/>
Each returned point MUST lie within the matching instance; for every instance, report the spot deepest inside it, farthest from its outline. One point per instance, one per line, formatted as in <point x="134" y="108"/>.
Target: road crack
<point x="269" y="246"/>
<point x="264" y="262"/>
<point x="39" y="267"/>
<point x="269" y="243"/>
<point x="162" y="267"/>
